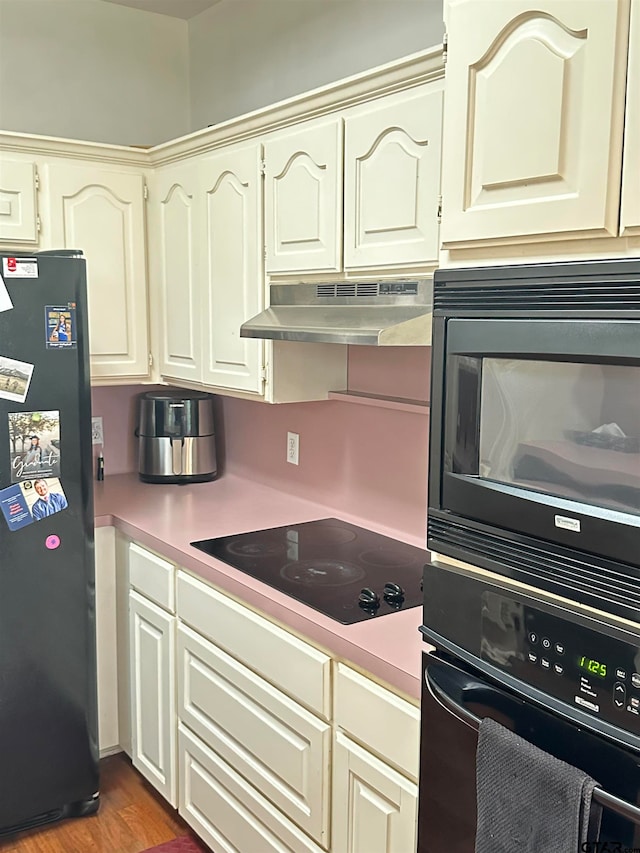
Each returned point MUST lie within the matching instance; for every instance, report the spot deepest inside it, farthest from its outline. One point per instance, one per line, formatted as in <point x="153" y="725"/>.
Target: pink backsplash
<point x="365" y="462"/>
<point x="392" y="371"/>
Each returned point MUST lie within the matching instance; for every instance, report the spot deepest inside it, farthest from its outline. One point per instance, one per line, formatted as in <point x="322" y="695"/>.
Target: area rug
<point x="178" y="845"/>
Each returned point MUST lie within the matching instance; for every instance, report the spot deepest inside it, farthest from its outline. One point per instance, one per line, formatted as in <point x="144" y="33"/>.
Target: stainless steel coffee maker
<point x="176" y="437"/>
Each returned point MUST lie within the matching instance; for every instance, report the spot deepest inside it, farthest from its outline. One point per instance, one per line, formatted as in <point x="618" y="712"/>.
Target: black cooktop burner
<point x="346" y="572"/>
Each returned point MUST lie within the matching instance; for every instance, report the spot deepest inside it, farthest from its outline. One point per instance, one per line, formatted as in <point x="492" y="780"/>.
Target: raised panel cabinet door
<point x="230" y="815"/>
<point x="153" y="694"/>
<point x="102" y="213"/>
<point x="18" y="212"/>
<point x="174" y="265"/>
<point x="233" y="287"/>
<point x="274" y="743"/>
<point x="630" y="215"/>
<point x="375" y="809"/>
<point x="392" y="180"/>
<point x="533" y="119"/>
<point x="303" y="198"/>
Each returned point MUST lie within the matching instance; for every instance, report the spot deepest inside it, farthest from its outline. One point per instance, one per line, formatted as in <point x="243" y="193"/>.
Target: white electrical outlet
<point x="97" y="436"/>
<point x="293" y="448"/>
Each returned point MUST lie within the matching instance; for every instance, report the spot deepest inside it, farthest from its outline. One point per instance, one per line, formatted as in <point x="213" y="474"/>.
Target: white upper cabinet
<point x="231" y="257"/>
<point x="101" y="212"/>
<point x="18" y="212"/>
<point x="175" y="265"/>
<point x="392" y="180"/>
<point x="534" y="117"/>
<point x="381" y="197"/>
<point x="303" y="198"/>
<point x="630" y="218"/>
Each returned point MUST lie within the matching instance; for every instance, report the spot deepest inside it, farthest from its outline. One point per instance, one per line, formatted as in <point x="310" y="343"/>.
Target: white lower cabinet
<point x="374" y="807"/>
<point x="255" y="741"/>
<point x="272" y="741"/>
<point x="152" y="667"/>
<point x="375" y="767"/>
<point x="263" y="741"/>
<point x="231" y="816"/>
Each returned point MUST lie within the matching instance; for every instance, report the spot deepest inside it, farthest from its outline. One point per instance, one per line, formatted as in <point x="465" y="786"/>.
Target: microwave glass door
<point x="541" y="430"/>
<point x="564" y="428"/>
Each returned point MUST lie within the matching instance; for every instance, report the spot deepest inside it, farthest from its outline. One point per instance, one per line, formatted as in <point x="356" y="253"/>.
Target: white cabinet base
<point x="153" y="694"/>
<point x="374" y="808"/>
<point x="230" y="815"/>
<point x="277" y="746"/>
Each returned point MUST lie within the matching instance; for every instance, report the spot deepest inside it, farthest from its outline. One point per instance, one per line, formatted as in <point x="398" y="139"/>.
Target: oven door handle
<point x="441" y="681"/>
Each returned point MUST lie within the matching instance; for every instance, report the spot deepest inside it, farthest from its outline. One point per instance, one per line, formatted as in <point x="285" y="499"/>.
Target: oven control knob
<point x="393" y="593"/>
<point x="368" y="599"/>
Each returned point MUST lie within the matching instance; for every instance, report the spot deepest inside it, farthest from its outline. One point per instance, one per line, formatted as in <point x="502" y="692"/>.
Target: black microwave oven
<point x="535" y="426"/>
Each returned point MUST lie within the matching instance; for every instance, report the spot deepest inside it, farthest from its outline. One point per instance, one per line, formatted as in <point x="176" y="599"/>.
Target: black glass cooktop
<point x="346" y="572"/>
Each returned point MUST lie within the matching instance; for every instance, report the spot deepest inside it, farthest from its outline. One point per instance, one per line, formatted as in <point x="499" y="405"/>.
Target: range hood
<point x="373" y="313"/>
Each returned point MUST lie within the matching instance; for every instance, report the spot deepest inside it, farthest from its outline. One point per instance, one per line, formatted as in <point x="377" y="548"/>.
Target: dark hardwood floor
<point x="132" y="817"/>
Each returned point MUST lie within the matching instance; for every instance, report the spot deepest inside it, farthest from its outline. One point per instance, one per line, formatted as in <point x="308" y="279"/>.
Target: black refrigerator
<point x="48" y="703"/>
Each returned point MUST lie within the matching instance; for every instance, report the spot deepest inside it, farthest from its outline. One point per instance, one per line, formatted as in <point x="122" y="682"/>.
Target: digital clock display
<point x="593" y="667"/>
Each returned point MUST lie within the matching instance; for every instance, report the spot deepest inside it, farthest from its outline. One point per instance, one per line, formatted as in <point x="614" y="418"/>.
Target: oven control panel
<point x="592" y="671"/>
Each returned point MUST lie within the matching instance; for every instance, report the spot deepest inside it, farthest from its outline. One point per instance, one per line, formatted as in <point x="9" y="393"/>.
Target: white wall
<point x="92" y="70"/>
<point x="245" y="54"/>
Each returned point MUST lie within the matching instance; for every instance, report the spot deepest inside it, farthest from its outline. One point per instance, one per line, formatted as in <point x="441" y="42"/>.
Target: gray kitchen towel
<point x="529" y="801"/>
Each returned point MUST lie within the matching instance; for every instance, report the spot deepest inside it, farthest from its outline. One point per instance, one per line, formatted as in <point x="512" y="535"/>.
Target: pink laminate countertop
<point x="167" y="518"/>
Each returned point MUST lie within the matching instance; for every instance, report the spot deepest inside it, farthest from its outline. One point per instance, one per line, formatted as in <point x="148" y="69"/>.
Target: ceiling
<point x="175" y="8"/>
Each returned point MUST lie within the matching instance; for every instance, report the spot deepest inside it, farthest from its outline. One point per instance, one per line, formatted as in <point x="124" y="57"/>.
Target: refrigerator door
<point x="48" y="706"/>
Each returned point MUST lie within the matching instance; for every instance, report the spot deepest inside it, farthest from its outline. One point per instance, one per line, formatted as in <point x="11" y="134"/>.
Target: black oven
<point x="564" y="682"/>
<point x="535" y="426"/>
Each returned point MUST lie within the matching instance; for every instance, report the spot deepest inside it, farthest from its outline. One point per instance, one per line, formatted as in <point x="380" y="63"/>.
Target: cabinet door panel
<point x="300" y="670"/>
<point x="153" y="692"/>
<point x="277" y="745"/>
<point x="18" y="218"/>
<point x="391" y="726"/>
<point x="304" y="198"/>
<point x="230" y="815"/>
<point x="102" y="213"/>
<point x="630" y="219"/>
<point x="533" y="119"/>
<point x="392" y="181"/>
<point x="234" y="287"/>
<point x="173" y="207"/>
<point x="375" y="809"/>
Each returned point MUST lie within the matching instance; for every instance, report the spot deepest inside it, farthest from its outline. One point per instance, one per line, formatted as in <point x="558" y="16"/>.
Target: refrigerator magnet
<point x="44" y="497"/>
<point x="14" y="507"/>
<point x="60" y="326"/>
<point x="32" y="500"/>
<point x="20" y="267"/>
<point x="15" y="378"/>
<point x="35" y="444"/>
